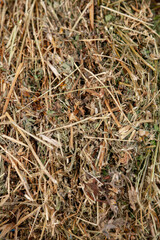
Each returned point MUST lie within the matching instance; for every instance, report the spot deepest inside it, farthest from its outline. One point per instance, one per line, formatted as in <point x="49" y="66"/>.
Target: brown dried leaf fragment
<point x="132" y="197"/>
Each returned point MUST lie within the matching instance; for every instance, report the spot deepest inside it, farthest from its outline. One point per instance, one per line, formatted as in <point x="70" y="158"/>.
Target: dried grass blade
<point x="71" y="124"/>
<point x="91" y="13"/>
<point x="38" y="46"/>
<point x="44" y="170"/>
<point x="154" y="160"/>
<point x="22" y="130"/>
<point x="125" y="15"/>
<point x="24" y="182"/>
<point x="51" y="141"/>
<point x="27" y="216"/>
<point x="2" y="20"/>
<point x="81" y="15"/>
<point x="134" y="51"/>
<point x="22" y="178"/>
<point x="6" y="228"/>
<point x="71" y="139"/>
<point x="14" y="140"/>
<point x="15" y="159"/>
<point x="112" y="114"/>
<point x="12" y="87"/>
<point x="54" y="70"/>
<point x="27" y="22"/>
<point x="34" y="222"/>
<point x="110" y="93"/>
<point x="4" y="199"/>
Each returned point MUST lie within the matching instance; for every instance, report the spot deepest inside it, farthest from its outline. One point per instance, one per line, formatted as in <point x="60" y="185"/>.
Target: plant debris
<point x="79" y="122"/>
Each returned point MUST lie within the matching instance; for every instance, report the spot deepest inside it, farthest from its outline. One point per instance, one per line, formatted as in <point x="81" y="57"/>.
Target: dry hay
<point x="79" y="139"/>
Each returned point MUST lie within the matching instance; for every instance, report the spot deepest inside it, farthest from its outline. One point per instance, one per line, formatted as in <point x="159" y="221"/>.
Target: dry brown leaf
<point x="132" y="197"/>
<point x="94" y="93"/>
<point x="114" y="223"/>
<point x="124" y="160"/>
<point x="143" y="133"/>
<point x="114" y="189"/>
<point x="102" y="154"/>
<point x="73" y="117"/>
<point x="124" y="130"/>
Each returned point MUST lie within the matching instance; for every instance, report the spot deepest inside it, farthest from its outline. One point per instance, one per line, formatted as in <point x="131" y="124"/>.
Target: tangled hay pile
<point x="79" y="122"/>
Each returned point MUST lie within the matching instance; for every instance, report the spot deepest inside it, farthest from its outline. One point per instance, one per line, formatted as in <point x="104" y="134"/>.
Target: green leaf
<point x="156" y="128"/>
<point x="108" y="18"/>
<point x="50" y="113"/>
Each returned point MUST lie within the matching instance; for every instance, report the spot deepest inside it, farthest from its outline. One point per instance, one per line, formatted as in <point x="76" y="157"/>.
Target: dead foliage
<point x="79" y="123"/>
